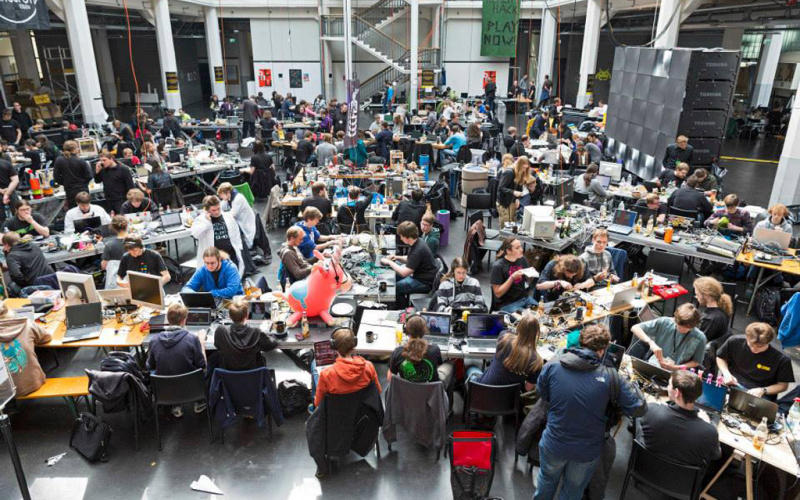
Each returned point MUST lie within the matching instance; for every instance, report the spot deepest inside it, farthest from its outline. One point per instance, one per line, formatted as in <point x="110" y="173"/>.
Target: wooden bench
<point x="68" y="388"/>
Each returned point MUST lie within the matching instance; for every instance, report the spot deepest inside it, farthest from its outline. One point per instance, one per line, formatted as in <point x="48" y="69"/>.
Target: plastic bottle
<point x="541" y="308"/>
<point x="635" y="280"/>
<point x="760" y="436"/>
<point x="621" y="206"/>
<point x="668" y="235"/>
<point x="793" y="418"/>
<point x="304" y="323"/>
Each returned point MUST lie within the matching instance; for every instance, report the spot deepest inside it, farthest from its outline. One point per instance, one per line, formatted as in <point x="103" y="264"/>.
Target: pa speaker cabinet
<point x="703" y="123"/>
<point x="708" y="95"/>
<point x="705" y="150"/>
<point x="714" y="65"/>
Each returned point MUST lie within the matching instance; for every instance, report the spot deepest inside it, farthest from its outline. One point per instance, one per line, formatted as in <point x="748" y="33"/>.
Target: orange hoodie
<point x="17" y="339"/>
<point x="345" y="376"/>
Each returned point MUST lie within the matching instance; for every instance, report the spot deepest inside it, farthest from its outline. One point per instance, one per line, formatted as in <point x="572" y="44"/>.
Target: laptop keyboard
<point x="81" y="332"/>
<point x="482" y="343"/>
<point x="442" y="342"/>
<point x="616" y="228"/>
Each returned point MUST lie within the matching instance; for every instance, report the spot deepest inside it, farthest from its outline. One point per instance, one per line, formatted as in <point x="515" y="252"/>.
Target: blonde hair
<point x="760" y="333"/>
<point x="135" y="195"/>
<point x="523" y="358"/>
<point x="652" y="198"/>
<point x="600" y="231"/>
<point x="176" y="314"/>
<point x="687" y="315"/>
<point x="731" y="200"/>
<point x="522" y="170"/>
<point x="312" y="213"/>
<point x="683" y="166"/>
<point x="779" y="209"/>
<point x="713" y="288"/>
<point x="507" y="160"/>
<point x="225" y="187"/>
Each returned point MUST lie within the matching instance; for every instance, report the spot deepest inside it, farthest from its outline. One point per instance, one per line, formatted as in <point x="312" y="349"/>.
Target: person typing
<point x="676" y="342"/>
<point x="218" y="276"/>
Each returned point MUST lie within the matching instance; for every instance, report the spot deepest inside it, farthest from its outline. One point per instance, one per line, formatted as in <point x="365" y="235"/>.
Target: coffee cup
<point x="371" y="337"/>
<point x="382" y="286"/>
<point x="280" y="326"/>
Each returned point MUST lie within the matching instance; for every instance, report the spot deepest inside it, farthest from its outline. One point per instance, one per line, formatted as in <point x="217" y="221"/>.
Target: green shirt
<point x="680" y="348"/>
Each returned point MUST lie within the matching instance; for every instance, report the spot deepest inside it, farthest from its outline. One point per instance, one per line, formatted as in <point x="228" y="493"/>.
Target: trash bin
<point x="443" y="216"/>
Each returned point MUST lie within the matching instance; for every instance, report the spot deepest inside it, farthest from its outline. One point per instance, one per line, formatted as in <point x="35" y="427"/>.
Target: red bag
<point x="667" y="292"/>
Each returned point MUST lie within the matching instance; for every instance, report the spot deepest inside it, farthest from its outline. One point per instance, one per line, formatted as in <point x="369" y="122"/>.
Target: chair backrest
<point x="178" y="389"/>
<point x="493" y="399"/>
<point x="479" y="201"/>
<point x="689" y="214"/>
<point x="475" y="217"/>
<point x="579" y="198"/>
<point x="662" y="474"/>
<point x="665" y="263"/>
<point x="248" y="385"/>
<point x="244" y="190"/>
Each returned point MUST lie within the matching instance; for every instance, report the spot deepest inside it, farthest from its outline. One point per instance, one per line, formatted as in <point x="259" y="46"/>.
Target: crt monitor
<point x="176" y="155"/>
<point x="438" y="323"/>
<point x="486" y="326"/>
<point x="146" y="290"/>
<point x="87" y="146"/>
<point x="611" y="169"/>
<point x="77" y="288"/>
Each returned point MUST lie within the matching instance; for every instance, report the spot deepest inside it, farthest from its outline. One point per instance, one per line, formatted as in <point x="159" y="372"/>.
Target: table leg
<point x="748" y="475"/>
<point x="705" y="495"/>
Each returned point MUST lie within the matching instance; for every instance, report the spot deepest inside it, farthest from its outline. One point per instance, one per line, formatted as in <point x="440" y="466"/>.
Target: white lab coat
<point x="244" y="215"/>
<point x="203" y="231"/>
<point x="75" y="213"/>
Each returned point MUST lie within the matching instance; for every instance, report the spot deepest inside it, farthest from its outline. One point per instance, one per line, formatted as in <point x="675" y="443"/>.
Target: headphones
<point x="333" y="341"/>
<point x="408" y="317"/>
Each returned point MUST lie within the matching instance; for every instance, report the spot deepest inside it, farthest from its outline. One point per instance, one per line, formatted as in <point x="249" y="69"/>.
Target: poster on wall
<point x="499" y="28"/>
<point x="427" y="78"/>
<point x="351" y="132"/>
<point x="489" y="76"/>
<point x="24" y="15"/>
<point x="265" y="78"/>
<point x="295" y="78"/>
<point x="219" y="76"/>
<point x="306" y="78"/>
<point x="172" y="81"/>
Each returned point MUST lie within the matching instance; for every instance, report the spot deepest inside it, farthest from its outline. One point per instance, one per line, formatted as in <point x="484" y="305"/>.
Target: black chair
<point x="689" y="214"/>
<point x="731" y="289"/>
<point x="250" y="392"/>
<point x="337" y="403"/>
<point x="171" y="390"/>
<point x="479" y="202"/>
<point x="663" y="475"/>
<point x="580" y="198"/>
<point x="494" y="400"/>
<point x="163" y="196"/>
<point x="666" y="264"/>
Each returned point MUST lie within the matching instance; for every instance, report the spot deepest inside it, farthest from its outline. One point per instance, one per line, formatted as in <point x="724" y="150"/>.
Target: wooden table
<point x="785" y="266"/>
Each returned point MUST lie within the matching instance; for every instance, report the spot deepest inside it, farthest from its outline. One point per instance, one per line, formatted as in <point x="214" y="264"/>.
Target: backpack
<point x="613" y="411"/>
<point x="768" y="301"/>
<point x="294" y="396"/>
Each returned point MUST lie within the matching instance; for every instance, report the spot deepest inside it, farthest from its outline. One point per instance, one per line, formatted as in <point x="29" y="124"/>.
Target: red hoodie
<point x="345" y="376"/>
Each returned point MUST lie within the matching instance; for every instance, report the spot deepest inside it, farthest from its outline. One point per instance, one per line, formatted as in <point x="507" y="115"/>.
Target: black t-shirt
<point x="8" y="130"/>
<point x="420" y="259"/>
<point x="149" y="262"/>
<point x="36" y="157"/>
<point x="114" y="249"/>
<point x="322" y="204"/>
<point x="548" y="274"/>
<point x="7" y="171"/>
<point x="714" y="323"/>
<point x="501" y="270"/>
<point x="15" y="225"/>
<point x="678" y="434"/>
<point x="304" y="151"/>
<point x="424" y="371"/>
<point x="222" y="240"/>
<point x="261" y="161"/>
<point x="755" y="370"/>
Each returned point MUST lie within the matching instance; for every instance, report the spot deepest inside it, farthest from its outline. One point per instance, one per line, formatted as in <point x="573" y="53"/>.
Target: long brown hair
<point x="522" y="358"/>
<point x="417" y="346"/>
<point x="522" y="170"/>
<point x="458" y="262"/>
<point x="591" y="170"/>
<point x="713" y="288"/>
<point x="567" y="263"/>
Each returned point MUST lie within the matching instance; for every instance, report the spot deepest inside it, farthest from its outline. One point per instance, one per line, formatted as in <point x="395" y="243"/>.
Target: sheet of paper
<point x="206" y="485"/>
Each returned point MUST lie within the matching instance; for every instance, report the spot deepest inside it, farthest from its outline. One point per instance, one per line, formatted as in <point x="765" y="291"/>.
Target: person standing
<point x="10" y="129"/>
<point x="72" y="172"/>
<point x="490" y="91"/>
<point x="9" y="180"/>
<point x="509" y="190"/>
<point x="249" y="117"/>
<point x="388" y="98"/>
<point x="547" y="88"/>
<point x="116" y="181"/>
<point x="678" y="152"/>
<point x="217" y="229"/>
<point x="240" y="209"/>
<point x="22" y="117"/>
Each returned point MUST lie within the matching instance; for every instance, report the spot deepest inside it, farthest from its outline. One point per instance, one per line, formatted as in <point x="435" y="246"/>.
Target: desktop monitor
<point x="82" y="225"/>
<point x="611" y="169"/>
<point x="485" y="325"/>
<point x="146" y="290"/>
<point x="77" y="288"/>
<point x="176" y="155"/>
<point x="87" y="146"/>
<point x="438" y="323"/>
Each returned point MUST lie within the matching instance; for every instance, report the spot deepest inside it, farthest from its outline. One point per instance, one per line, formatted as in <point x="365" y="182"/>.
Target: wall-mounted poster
<point x="306" y="78"/>
<point x="295" y="78"/>
<point x="172" y="81"/>
<point x="219" y="77"/>
<point x="265" y="78"/>
<point x="489" y="76"/>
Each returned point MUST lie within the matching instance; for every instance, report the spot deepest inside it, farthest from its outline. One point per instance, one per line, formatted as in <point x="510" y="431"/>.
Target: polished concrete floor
<point x="249" y="465"/>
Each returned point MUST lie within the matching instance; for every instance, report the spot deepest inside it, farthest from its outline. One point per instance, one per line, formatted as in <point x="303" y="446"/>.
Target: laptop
<point x="82" y="225"/>
<point x="773" y="237"/>
<point x="323" y="354"/>
<point x="171" y="222"/>
<point x="623" y="298"/>
<point x="647" y="314"/>
<point x="258" y="313"/>
<point x="605" y="180"/>
<point x="752" y="407"/>
<point x="199" y="300"/>
<point x="623" y="223"/>
<point x="483" y="330"/>
<point x="198" y="317"/>
<point x="439" y="327"/>
<point x="84" y="321"/>
<point x="613" y="355"/>
<point x="713" y="401"/>
<point x="655" y="374"/>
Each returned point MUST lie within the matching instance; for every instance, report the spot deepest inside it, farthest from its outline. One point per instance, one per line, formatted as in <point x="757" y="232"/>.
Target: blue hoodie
<point x="228" y="284"/>
<point x="175" y="352"/>
<point x="789" y="331"/>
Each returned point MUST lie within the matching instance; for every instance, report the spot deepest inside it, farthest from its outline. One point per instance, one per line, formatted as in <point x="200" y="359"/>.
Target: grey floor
<point x="248" y="465"/>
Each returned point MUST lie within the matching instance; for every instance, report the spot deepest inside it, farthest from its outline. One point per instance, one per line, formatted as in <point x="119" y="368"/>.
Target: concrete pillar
<point x="347" y="7"/>
<point x="166" y="53"/>
<point x="214" y="51"/>
<point x="767" y="67"/>
<point x="83" y="60"/>
<point x="414" y="48"/>
<point x="24" y="56"/>
<point x="796" y="80"/>
<point x="732" y="38"/>
<point x="437" y="27"/>
<point x="786" y="188"/>
<point x="547" y="48"/>
<point x="327" y="68"/>
<point x="591" y="42"/>
<point x="105" y="66"/>
<point x="669" y="20"/>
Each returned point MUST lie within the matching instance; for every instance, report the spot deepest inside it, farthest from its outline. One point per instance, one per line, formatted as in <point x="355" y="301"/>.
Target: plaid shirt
<point x="597" y="262"/>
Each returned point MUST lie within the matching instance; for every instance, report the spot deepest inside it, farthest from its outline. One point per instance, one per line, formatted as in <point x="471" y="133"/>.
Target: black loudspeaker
<point x="708" y="95"/>
<point x="703" y="123"/>
<point x="719" y="65"/>
<point x="705" y="150"/>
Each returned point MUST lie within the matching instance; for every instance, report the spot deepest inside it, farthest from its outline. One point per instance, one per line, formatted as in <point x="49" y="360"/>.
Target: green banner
<point x="499" y="33"/>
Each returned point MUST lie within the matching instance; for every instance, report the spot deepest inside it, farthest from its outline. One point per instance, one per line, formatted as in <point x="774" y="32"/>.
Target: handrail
<point x="376" y="30"/>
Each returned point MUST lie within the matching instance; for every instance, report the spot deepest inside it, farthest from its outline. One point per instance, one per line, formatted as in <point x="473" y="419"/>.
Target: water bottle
<point x="760" y="436"/>
<point x="793" y="418"/>
<point x="621" y="206"/>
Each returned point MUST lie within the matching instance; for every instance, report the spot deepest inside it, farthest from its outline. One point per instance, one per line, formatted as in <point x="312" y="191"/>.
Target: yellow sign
<point x="40" y="99"/>
<point x="172" y="81"/>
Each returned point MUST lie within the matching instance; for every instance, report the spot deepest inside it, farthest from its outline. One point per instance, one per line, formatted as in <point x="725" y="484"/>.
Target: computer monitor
<point x="395" y="186"/>
<point x="146" y="290"/>
<point x="485" y="325"/>
<point x="625" y="218"/>
<point x="438" y="323"/>
<point x="605" y="180"/>
<point x="82" y="225"/>
<point x="87" y="146"/>
<point x="611" y="169"/>
<point x="77" y="288"/>
<point x="176" y="155"/>
<point x="198" y="317"/>
<point x="258" y="310"/>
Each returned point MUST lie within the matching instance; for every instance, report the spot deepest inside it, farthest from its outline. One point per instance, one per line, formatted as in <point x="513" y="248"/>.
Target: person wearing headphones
<point x="349" y="373"/>
<point x="419" y="361"/>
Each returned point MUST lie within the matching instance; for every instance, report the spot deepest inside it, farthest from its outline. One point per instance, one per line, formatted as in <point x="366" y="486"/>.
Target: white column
<point x="166" y="51"/>
<point x="83" y="60"/>
<point x="767" y="67"/>
<point x="786" y="188"/>
<point x="732" y="38"/>
<point x="437" y="26"/>
<point x="214" y="51"/>
<point x="669" y="22"/>
<point x="796" y="80"/>
<point x="24" y="56"/>
<point x="591" y="40"/>
<point x="105" y="66"/>
<point x="547" y="48"/>
<point x="348" y="42"/>
<point x="414" y="49"/>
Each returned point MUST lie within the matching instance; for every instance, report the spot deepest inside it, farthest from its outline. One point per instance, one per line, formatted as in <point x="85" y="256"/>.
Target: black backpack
<point x="768" y="301"/>
<point x="613" y="411"/>
<point x="294" y="396"/>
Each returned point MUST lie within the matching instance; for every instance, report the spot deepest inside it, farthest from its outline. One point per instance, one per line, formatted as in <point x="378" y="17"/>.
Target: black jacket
<point x="73" y="173"/>
<point x="687" y="198"/>
<point x="117" y="181"/>
<point x="409" y="210"/>
<point x="26" y="262"/>
<point x="240" y="346"/>
<point x="506" y="188"/>
<point x="116" y="390"/>
<point x="171" y="127"/>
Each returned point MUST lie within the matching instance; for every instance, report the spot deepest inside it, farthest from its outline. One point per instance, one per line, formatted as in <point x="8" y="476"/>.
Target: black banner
<point x="24" y="15"/>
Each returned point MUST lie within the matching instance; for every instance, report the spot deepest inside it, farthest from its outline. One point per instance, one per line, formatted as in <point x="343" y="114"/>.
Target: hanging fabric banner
<point x="499" y="32"/>
<point x="24" y="15"/>
<point x="351" y="133"/>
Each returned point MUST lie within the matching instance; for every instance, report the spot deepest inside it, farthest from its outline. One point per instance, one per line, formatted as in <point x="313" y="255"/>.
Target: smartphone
<point x="613" y="355"/>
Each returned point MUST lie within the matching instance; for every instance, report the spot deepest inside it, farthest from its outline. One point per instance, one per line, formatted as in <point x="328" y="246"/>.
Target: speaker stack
<point x="658" y="94"/>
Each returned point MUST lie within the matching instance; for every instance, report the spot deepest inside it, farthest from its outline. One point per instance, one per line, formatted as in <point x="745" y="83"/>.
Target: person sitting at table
<point x="84" y="210"/>
<point x="240" y="346"/>
<point x="114" y="248"/>
<point x="278" y="134"/>
<point x="675" y="343"/>
<point x="707" y="182"/>
<point x="597" y="260"/>
<point x="442" y="128"/>
<point x="217" y="275"/>
<point x="358" y="154"/>
<point x="675" y="430"/>
<point x="652" y="202"/>
<point x="510" y="138"/>
<point x="474" y="136"/>
<point x="25" y="261"/>
<point x="447" y="110"/>
<point x="176" y="351"/>
<point x="458" y="290"/>
<point x="509" y="190"/>
<point x="72" y="172"/>
<point x="668" y="176"/>
<point x="430" y="118"/>
<point x="454" y="142"/>
<point x="325" y="150"/>
<point x="588" y="184"/>
<point x="580" y="157"/>
<point x="429" y="233"/>
<point x="294" y="264"/>
<point x="515" y="359"/>
<point x="689" y="198"/>
<point x="738" y="220"/>
<point x="375" y="126"/>
<point x="564" y="133"/>
<point x="716" y="316"/>
<point x="349" y="373"/>
<point x="319" y="200"/>
<point x="32" y="153"/>
<point x="562" y="274"/>
<point x="749" y="362"/>
<point x="313" y="239"/>
<point x="519" y="149"/>
<point x="129" y="159"/>
<point x="533" y="195"/>
<point x="138" y="203"/>
<point x="595" y="147"/>
<point x="777" y="219"/>
<point x="507" y="279"/>
<point x="237" y="205"/>
<point x="25" y="221"/>
<point x="267" y="124"/>
<point x="352" y="211"/>
<point x="217" y="229"/>
<point x="417" y="360"/>
<point x="397" y="125"/>
<point x="411" y="209"/>
<point x="304" y="153"/>
<point x="49" y="149"/>
<point x="18" y="338"/>
<point x="140" y="259"/>
<point x="157" y="178"/>
<point x="418" y="271"/>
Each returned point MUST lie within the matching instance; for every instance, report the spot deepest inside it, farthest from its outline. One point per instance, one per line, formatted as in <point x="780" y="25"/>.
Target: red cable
<point x="135" y="80"/>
